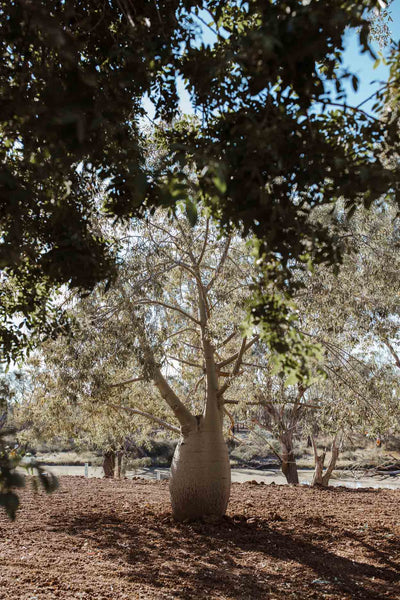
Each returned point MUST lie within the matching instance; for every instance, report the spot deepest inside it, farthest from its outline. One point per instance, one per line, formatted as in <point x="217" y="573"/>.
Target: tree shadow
<point x="241" y="558"/>
<point x="383" y="555"/>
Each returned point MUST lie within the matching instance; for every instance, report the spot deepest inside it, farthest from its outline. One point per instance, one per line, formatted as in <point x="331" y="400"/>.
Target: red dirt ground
<point x="101" y="539"/>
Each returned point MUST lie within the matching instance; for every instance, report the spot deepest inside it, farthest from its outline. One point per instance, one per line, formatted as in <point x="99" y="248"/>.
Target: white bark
<point x="200" y="474"/>
<point x="200" y="471"/>
<point x="321" y="478"/>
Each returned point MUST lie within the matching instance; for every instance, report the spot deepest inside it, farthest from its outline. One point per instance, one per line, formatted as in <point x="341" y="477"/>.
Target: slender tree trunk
<point x="109" y="464"/>
<point x="200" y="473"/>
<point x="320" y="478"/>
<point x="289" y="466"/>
<point x="118" y="469"/>
<point x="332" y="465"/>
<point x="319" y="469"/>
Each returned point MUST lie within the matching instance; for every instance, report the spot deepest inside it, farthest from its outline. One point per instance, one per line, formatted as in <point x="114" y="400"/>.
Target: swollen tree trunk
<point x="289" y="466"/>
<point x="200" y="473"/>
<point x="109" y="464"/>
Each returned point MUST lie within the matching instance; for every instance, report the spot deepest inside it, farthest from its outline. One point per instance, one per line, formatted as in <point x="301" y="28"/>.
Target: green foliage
<point x="98" y="385"/>
<point x="11" y="479"/>
<point x="11" y="391"/>
<point x="275" y="137"/>
<point x="275" y="140"/>
<point x="293" y="355"/>
<point x="354" y="315"/>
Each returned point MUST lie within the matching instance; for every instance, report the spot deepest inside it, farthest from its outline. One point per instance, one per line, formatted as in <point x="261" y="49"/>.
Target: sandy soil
<point x="100" y="539"/>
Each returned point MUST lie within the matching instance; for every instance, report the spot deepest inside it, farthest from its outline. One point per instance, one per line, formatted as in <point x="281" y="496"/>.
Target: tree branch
<point x="315" y="449"/>
<point x="335" y="449"/>
<point x="278" y="456"/>
<point x="180" y="411"/>
<point x="226" y="340"/>
<point x="146" y="301"/>
<point x="270" y="403"/>
<point x="235" y="369"/>
<point x="141" y="413"/>
<point x="185" y="362"/>
<point x="182" y="331"/>
<point x="220" y="264"/>
<point x="121" y="383"/>
<point x="392" y="352"/>
<point x="192" y="393"/>
<point x="205" y="243"/>
<point x="234" y="357"/>
<point x="354" y="109"/>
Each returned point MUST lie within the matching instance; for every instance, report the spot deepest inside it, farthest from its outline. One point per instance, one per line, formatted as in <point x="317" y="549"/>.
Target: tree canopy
<point x="165" y="342"/>
<point x="275" y="137"/>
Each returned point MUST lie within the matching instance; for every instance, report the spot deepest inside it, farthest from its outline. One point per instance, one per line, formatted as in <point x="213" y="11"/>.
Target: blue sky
<point x="361" y="64"/>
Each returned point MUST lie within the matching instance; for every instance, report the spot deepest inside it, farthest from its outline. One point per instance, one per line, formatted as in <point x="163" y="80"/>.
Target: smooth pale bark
<point x="320" y="478"/>
<point x="200" y="470"/>
<point x="200" y="473"/>
<point x="318" y="470"/>
<point x="184" y="416"/>
<point x="289" y="466"/>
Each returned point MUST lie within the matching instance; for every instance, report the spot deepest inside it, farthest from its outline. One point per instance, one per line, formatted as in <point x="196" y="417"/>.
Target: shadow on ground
<point x="239" y="558"/>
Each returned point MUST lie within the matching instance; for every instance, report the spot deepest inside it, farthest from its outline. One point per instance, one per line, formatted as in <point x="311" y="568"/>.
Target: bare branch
<point x="239" y="268"/>
<point x="335" y="449"/>
<point x="314" y="445"/>
<point x="203" y="300"/>
<point x="220" y="265"/>
<point x="126" y="382"/>
<point x="185" y="362"/>
<point x="174" y="238"/>
<point x="146" y="301"/>
<point x="182" y="331"/>
<point x="235" y="370"/>
<point x="232" y="427"/>
<point x="270" y="403"/>
<point x="192" y="346"/>
<point x="233" y="357"/>
<point x="238" y="362"/>
<point x="372" y="96"/>
<point x="392" y="352"/>
<point x="227" y="384"/>
<point x="141" y="413"/>
<point x="297" y="405"/>
<point x="183" y="265"/>
<point x="355" y="109"/>
<point x="226" y="340"/>
<point x="192" y="392"/>
<point x="205" y="243"/>
<point x="180" y="411"/>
